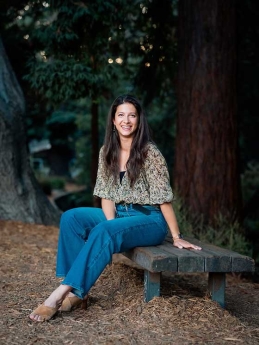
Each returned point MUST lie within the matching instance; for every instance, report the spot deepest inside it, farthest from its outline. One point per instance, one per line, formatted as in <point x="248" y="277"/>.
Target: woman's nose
<point x="126" y="119"/>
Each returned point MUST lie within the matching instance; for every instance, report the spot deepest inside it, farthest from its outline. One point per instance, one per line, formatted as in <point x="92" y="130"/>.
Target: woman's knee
<point x="82" y="218"/>
<point x="66" y="216"/>
<point x="73" y="217"/>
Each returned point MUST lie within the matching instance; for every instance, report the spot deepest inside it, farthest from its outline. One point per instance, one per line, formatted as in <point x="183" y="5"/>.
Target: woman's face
<point x="126" y="120"/>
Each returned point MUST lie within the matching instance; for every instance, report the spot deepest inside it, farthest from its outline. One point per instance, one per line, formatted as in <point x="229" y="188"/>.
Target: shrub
<point x="49" y="183"/>
<point x="223" y="233"/>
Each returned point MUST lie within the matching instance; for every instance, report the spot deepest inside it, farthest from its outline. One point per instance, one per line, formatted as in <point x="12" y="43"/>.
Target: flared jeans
<point x="87" y="240"/>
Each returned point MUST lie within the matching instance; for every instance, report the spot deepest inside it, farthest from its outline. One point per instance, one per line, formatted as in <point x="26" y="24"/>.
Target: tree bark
<point x="206" y="173"/>
<point x="21" y="197"/>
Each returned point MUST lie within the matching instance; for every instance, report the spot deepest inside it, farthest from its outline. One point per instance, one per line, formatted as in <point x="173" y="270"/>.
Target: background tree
<point x="73" y="56"/>
<point x="21" y="198"/>
<point x="78" y="50"/>
<point x="84" y="48"/>
<point x="205" y="171"/>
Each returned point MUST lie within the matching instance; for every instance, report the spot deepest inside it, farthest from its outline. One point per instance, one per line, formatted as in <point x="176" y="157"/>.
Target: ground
<point x="116" y="313"/>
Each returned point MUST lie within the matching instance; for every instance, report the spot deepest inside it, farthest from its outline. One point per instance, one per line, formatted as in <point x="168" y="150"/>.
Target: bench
<point x="216" y="261"/>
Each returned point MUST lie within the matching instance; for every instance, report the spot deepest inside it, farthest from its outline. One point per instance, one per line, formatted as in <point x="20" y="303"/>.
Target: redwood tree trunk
<point x="205" y="173"/>
<point x="21" y="197"/>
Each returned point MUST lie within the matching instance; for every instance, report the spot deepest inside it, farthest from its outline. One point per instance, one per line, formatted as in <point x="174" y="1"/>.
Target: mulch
<point x="116" y="313"/>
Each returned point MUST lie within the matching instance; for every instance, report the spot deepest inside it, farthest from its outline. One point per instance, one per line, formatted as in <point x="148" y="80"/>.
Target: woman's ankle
<point x="57" y="296"/>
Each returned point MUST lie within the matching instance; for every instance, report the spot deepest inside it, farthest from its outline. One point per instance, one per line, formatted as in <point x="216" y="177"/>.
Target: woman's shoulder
<point x="101" y="151"/>
<point x="153" y="150"/>
<point x="101" y="155"/>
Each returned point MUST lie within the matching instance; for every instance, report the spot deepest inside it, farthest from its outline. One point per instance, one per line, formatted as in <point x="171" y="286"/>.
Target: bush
<point x="46" y="187"/>
<point x="250" y="180"/>
<point x="50" y="183"/>
<point x="57" y="183"/>
<point x="82" y="198"/>
<point x="223" y="233"/>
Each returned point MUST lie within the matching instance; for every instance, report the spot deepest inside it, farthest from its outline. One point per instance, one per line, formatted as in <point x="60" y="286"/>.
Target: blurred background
<point x="194" y="65"/>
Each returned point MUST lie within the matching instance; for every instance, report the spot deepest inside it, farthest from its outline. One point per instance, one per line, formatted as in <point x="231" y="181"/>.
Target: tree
<point x="21" y="197"/>
<point x="205" y="171"/>
<point x="85" y="47"/>
<point x="74" y="43"/>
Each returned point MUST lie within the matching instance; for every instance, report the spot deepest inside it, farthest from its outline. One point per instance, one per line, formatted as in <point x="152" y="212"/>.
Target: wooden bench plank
<point x="188" y="260"/>
<point x="212" y="261"/>
<point x="152" y="258"/>
<point x="239" y="262"/>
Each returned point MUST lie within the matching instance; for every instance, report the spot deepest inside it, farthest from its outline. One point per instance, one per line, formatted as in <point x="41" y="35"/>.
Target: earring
<point x="114" y="129"/>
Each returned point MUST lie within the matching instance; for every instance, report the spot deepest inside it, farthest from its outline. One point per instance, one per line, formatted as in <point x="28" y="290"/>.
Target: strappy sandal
<point x="71" y="303"/>
<point x="45" y="313"/>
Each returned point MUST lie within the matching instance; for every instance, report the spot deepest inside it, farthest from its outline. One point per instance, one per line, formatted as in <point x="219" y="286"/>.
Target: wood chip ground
<point x="116" y="313"/>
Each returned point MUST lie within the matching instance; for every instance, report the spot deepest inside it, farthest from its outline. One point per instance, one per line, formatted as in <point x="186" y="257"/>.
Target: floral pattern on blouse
<point x="151" y="188"/>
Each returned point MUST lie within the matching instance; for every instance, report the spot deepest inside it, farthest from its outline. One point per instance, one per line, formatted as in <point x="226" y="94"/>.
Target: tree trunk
<point x="205" y="173"/>
<point x="21" y="197"/>
<point x="95" y="147"/>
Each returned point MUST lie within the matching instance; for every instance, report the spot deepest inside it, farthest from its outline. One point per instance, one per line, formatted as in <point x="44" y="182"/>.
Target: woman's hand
<point x="180" y="243"/>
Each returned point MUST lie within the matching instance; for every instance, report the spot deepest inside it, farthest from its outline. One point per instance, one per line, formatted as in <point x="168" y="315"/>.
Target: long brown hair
<point x="112" y="143"/>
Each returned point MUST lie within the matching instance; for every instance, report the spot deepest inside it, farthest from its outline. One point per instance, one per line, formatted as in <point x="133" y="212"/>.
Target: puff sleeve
<point x="102" y="189"/>
<point x="157" y="177"/>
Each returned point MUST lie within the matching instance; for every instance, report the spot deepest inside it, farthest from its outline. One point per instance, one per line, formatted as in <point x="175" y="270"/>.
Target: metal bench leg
<point x="151" y="285"/>
<point x="217" y="283"/>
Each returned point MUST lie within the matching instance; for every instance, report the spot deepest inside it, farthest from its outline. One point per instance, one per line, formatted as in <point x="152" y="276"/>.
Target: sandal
<point x="71" y="303"/>
<point x="45" y="313"/>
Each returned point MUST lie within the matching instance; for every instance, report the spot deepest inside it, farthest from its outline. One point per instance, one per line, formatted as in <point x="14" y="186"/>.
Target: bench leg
<point x="151" y="285"/>
<point x="217" y="283"/>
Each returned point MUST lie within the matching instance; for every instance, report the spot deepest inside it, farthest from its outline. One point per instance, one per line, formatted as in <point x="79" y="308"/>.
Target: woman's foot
<point x="52" y="304"/>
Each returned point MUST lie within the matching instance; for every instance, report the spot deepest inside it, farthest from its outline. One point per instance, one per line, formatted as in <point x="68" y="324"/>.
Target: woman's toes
<point x="33" y="317"/>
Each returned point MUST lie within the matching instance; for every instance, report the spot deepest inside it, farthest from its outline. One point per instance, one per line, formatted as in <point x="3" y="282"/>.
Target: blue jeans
<point x="87" y="240"/>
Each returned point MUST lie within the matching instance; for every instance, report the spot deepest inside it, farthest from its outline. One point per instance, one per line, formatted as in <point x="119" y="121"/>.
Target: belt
<point x="138" y="207"/>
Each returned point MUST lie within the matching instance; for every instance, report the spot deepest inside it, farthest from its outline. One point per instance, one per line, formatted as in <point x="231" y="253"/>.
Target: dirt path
<point x="116" y="313"/>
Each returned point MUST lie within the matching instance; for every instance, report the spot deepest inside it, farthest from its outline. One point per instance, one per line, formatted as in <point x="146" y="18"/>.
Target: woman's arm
<point x="169" y="215"/>
<point x="108" y="208"/>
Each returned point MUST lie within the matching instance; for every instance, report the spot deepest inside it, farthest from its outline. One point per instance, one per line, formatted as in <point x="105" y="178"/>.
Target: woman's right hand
<point x="180" y="243"/>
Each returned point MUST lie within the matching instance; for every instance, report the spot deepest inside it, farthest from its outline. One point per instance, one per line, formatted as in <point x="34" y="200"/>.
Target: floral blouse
<point x="151" y="188"/>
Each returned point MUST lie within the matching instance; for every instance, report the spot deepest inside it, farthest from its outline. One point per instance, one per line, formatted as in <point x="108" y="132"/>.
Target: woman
<point x="133" y="184"/>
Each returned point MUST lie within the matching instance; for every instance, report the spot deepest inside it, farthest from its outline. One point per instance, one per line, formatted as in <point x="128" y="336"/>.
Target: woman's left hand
<point x="180" y="243"/>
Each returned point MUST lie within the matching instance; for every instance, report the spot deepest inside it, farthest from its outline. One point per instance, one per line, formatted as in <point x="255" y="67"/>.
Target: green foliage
<point x="74" y="43"/>
<point x="65" y="117"/>
<point x="161" y="114"/>
<point x="250" y="190"/>
<point x="183" y="218"/>
<point x="226" y="234"/>
<point x="156" y="49"/>
<point x="60" y="80"/>
<point x="94" y="50"/>
<point x="77" y="199"/>
<point x="83" y="148"/>
<point x="48" y="183"/>
<point x="57" y="182"/>
<point x="82" y="48"/>
<point x="223" y="233"/>
<point x="250" y="180"/>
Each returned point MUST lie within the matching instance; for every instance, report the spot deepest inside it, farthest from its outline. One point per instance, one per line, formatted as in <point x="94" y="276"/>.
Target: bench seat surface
<point x="211" y="258"/>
